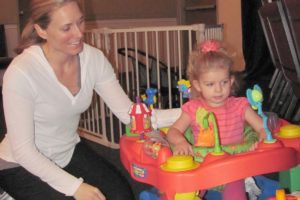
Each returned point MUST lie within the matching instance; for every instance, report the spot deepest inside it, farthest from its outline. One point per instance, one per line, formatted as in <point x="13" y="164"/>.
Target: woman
<point x="45" y="89"/>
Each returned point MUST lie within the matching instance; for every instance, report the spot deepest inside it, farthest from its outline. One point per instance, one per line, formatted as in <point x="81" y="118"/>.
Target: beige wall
<point x="229" y="14"/>
<point x="9" y="17"/>
<point x="130" y="9"/>
<point x="8" y="12"/>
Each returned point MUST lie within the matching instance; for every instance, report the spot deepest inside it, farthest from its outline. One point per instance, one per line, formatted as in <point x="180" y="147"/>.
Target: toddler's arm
<point x="175" y="136"/>
<point x="256" y="122"/>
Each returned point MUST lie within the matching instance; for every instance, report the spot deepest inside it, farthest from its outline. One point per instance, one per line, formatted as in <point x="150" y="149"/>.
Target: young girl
<point x="212" y="80"/>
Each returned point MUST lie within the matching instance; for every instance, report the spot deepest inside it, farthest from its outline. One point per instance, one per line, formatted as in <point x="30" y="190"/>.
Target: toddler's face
<point x="214" y="86"/>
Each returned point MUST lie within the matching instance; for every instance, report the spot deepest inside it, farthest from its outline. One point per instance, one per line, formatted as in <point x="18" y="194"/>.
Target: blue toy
<point x="184" y="86"/>
<point x="150" y="98"/>
<point x="151" y="194"/>
<point x="268" y="187"/>
<point x="255" y="98"/>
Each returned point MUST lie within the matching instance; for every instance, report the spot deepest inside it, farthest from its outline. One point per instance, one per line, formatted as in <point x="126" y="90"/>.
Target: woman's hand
<point x="183" y="148"/>
<point x="88" y="192"/>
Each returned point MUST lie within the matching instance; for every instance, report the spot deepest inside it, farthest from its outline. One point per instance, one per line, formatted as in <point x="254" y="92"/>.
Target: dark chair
<point x="290" y="12"/>
<point x="289" y="9"/>
<point x="278" y="81"/>
<point x="285" y="88"/>
<point x="291" y="62"/>
<point x="279" y="34"/>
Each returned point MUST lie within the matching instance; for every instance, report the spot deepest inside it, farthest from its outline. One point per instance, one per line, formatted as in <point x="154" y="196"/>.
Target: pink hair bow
<point x="209" y="45"/>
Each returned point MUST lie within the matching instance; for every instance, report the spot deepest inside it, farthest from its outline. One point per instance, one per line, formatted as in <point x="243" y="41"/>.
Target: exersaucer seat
<point x="250" y="139"/>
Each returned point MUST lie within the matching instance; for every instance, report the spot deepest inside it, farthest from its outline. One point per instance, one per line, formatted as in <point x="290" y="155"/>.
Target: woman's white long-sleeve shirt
<point x="42" y="115"/>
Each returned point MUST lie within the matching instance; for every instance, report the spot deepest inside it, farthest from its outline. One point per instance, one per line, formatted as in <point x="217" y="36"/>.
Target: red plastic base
<point x="214" y="171"/>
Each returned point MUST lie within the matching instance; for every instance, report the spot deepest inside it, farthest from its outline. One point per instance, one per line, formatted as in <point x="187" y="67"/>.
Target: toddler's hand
<point x="183" y="148"/>
<point x="254" y="146"/>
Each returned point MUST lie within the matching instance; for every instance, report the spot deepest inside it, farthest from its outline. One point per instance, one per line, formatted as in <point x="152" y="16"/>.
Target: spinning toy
<point x="140" y="119"/>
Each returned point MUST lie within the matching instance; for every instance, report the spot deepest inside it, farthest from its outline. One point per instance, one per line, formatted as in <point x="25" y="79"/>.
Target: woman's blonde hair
<point x="208" y="55"/>
<point x="40" y="13"/>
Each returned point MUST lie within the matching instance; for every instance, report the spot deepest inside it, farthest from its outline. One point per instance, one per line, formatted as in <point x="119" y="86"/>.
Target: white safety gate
<point x="143" y="57"/>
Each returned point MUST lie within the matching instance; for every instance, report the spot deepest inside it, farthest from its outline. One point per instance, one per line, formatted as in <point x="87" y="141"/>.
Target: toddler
<point x="212" y="84"/>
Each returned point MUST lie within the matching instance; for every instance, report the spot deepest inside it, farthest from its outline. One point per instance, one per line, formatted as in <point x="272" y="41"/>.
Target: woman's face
<point x="64" y="33"/>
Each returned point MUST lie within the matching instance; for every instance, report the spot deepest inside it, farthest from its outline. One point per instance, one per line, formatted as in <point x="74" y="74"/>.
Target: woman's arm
<point x="110" y="90"/>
